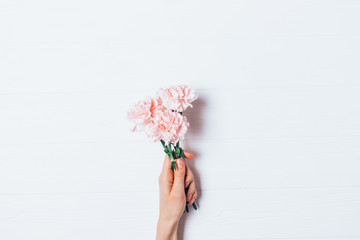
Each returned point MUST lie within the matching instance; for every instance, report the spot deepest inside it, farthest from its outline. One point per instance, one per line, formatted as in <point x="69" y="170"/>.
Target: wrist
<point x="166" y="230"/>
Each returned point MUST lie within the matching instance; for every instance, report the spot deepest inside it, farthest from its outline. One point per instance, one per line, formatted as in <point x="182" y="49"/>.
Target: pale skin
<point x="176" y="188"/>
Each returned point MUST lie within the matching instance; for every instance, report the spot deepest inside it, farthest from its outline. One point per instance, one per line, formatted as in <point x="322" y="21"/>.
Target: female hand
<point x="173" y="197"/>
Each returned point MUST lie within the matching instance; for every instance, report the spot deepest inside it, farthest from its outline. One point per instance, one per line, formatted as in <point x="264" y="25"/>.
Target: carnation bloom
<point x="177" y="98"/>
<point x="143" y="111"/>
<point x="168" y="126"/>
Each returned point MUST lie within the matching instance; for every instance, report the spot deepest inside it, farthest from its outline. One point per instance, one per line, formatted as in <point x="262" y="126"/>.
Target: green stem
<point x="182" y="153"/>
<point x="168" y="151"/>
<point x="163" y="143"/>
<point x="177" y="149"/>
<point x="187" y="207"/>
<point x="171" y="157"/>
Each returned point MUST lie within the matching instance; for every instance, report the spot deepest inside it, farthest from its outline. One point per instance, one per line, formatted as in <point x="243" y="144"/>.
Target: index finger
<point x="188" y="155"/>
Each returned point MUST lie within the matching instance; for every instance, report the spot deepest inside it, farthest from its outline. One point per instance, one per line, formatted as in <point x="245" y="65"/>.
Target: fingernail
<point x="179" y="164"/>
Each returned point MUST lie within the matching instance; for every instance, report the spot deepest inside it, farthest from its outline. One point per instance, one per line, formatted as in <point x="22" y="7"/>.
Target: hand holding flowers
<point x="161" y="118"/>
<point x="173" y="197"/>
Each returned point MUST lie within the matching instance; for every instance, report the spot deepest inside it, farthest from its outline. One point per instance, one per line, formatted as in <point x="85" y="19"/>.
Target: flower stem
<point x="187" y="207"/>
<point x="168" y="151"/>
<point x="163" y="143"/>
<point x="177" y="150"/>
<point x="171" y="157"/>
<point x="182" y="153"/>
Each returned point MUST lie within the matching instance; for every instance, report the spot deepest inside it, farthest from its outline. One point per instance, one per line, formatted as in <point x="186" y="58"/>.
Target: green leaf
<point x="182" y="153"/>
<point x="173" y="165"/>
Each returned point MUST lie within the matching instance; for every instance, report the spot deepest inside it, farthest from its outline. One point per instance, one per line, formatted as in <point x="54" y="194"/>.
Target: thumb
<point x="179" y="176"/>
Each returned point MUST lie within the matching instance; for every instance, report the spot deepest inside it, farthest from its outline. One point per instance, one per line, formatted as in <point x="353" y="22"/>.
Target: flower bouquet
<point x="161" y="118"/>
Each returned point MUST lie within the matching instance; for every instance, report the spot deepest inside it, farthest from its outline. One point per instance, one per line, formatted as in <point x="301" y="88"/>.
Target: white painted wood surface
<point x="276" y="130"/>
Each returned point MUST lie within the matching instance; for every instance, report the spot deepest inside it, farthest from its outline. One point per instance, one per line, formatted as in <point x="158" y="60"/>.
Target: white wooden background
<point x="276" y="129"/>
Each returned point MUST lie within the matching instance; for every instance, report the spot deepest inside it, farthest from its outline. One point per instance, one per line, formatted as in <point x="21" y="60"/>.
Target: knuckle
<point x="189" y="178"/>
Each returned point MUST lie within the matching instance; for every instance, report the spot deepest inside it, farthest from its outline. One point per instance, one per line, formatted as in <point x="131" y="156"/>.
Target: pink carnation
<point x="143" y="111"/>
<point x="177" y="98"/>
<point x="168" y="126"/>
